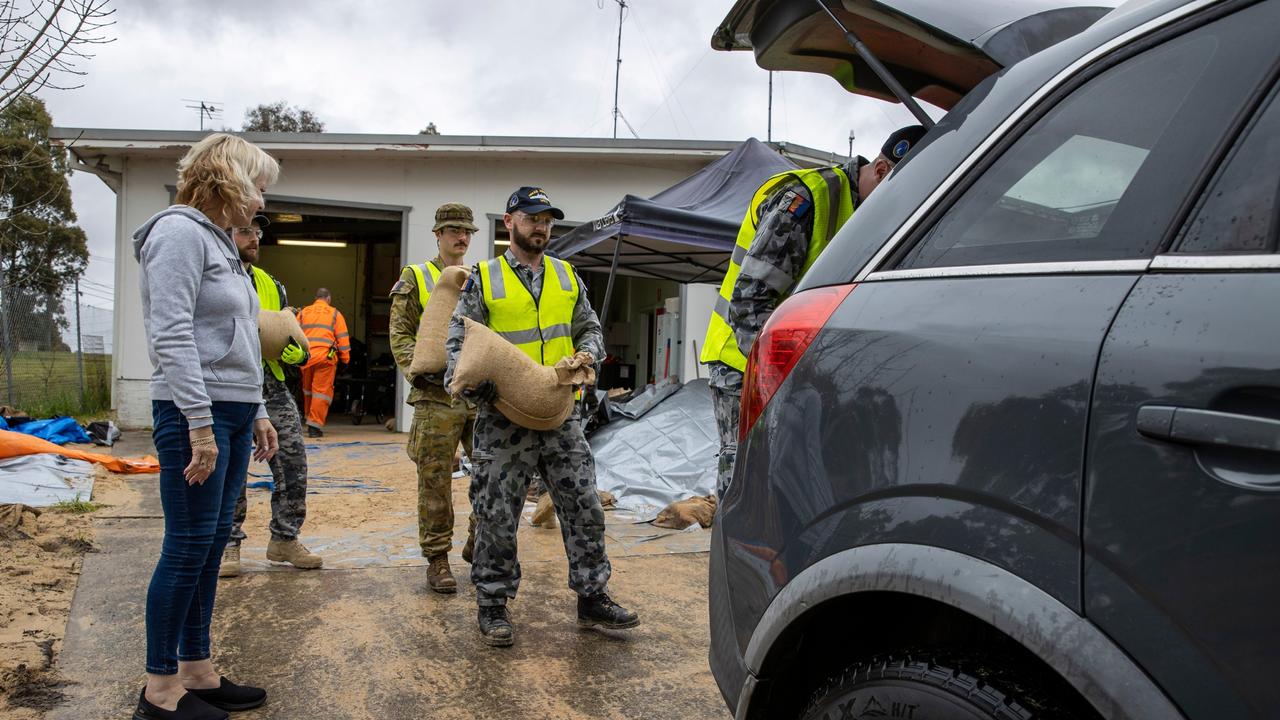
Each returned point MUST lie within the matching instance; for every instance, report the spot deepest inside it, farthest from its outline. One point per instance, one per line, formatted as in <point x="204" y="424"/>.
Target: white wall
<point x="584" y="190"/>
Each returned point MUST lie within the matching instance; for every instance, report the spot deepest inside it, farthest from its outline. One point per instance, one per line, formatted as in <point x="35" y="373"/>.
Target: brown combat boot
<point x="439" y="576"/>
<point x="230" y="561"/>
<point x="294" y="553"/>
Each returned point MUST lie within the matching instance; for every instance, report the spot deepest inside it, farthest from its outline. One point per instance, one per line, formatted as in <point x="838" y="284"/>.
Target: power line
<point x="644" y="37"/>
<point x="704" y="55"/>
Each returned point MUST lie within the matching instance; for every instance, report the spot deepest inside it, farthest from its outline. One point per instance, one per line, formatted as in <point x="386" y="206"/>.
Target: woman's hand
<point x="204" y="455"/>
<point x="265" y="442"/>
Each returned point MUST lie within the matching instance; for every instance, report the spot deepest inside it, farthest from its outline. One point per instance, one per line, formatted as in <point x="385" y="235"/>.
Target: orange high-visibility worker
<point x="326" y="331"/>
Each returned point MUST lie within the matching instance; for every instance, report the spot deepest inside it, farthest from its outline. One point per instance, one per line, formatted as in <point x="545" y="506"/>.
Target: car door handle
<point x="1194" y="426"/>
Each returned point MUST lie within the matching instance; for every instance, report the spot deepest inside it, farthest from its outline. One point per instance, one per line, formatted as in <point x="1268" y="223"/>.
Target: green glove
<point x="293" y="354"/>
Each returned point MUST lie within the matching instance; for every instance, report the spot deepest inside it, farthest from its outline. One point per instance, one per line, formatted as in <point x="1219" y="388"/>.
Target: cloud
<point x="500" y="67"/>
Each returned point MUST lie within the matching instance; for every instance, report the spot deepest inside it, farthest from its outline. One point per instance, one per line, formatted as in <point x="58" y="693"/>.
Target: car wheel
<point x="357" y="419"/>
<point x="902" y="688"/>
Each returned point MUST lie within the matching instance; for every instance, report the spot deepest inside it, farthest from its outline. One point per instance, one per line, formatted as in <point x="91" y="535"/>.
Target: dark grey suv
<point x="1012" y="449"/>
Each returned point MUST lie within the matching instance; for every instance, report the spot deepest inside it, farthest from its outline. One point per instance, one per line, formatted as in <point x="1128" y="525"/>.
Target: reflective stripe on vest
<point x="332" y="327"/>
<point x="427" y="275"/>
<point x="268" y="299"/>
<point x="542" y="329"/>
<point x="832" y="196"/>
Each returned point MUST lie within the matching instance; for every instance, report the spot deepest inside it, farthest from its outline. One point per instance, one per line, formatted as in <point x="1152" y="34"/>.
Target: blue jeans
<point x="197" y="523"/>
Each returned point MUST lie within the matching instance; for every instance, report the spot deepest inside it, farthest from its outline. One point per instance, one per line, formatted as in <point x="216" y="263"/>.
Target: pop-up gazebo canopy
<point x="685" y="233"/>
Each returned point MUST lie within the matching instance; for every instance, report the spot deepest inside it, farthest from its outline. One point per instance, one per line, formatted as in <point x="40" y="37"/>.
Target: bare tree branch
<point x="41" y="40"/>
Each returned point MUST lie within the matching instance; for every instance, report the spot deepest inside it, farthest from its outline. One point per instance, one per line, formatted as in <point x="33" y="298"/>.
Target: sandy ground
<point x="40" y="560"/>
<point x="362" y="519"/>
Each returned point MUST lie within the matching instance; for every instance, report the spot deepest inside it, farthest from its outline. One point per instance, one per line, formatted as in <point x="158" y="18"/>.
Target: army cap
<point x="901" y="141"/>
<point x="454" y="215"/>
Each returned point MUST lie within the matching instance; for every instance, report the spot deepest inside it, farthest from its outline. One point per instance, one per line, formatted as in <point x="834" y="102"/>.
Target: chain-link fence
<point x="55" y="352"/>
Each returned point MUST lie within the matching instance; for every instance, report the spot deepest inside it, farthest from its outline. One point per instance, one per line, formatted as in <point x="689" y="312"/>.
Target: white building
<point x="367" y="203"/>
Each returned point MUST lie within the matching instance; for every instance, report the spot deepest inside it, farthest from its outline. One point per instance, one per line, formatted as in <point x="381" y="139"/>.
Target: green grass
<point x="46" y="384"/>
<point x="76" y="507"/>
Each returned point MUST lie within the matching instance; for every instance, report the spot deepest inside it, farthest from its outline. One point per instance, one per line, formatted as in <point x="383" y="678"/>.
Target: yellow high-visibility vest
<point x="427" y="275"/>
<point x="543" y="330"/>
<point x="269" y="299"/>
<point x="832" y="207"/>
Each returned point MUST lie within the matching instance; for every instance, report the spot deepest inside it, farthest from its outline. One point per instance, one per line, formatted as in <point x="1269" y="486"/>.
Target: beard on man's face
<point x="533" y="242"/>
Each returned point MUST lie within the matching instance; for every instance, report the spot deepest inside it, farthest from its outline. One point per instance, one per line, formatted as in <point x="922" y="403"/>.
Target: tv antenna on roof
<point x="206" y="108"/>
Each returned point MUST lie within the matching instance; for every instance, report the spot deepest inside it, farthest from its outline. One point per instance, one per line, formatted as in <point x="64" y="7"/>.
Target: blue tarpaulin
<point x="59" y="430"/>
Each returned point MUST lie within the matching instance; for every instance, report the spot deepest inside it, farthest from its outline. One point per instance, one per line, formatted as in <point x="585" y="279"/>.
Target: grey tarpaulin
<point x="648" y="398"/>
<point x="668" y="454"/>
<point x="44" y="479"/>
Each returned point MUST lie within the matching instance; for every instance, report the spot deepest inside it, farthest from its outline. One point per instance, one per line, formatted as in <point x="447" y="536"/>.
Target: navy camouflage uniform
<point x="439" y="422"/>
<point x="507" y="456"/>
<point x="288" y="466"/>
<point x="769" y="273"/>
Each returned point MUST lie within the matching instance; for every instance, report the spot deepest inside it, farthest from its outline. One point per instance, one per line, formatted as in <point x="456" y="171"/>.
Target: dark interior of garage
<point x="355" y="253"/>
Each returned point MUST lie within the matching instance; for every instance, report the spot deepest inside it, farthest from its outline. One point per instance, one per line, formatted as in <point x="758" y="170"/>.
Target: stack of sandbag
<point x="528" y="394"/>
<point x="544" y="515"/>
<point x="433" y="329"/>
<point x="275" y="329"/>
<point x="683" y="513"/>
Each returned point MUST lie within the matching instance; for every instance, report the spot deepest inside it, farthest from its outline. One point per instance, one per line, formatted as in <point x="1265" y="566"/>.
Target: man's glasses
<point x="254" y="231"/>
<point x="535" y="220"/>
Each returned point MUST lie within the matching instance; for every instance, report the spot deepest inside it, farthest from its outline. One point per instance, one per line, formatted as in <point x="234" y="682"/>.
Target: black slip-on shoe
<point x="189" y="707"/>
<point x="230" y="696"/>
<point x="601" y="611"/>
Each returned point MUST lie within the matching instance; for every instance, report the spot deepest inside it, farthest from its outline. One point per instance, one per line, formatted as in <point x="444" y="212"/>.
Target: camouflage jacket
<point x="587" y="334"/>
<point x="406" y="314"/>
<point x="775" y="262"/>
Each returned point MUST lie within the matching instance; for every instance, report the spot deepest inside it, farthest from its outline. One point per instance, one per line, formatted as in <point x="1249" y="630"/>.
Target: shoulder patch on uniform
<point x="401" y="287"/>
<point x="795" y="203"/>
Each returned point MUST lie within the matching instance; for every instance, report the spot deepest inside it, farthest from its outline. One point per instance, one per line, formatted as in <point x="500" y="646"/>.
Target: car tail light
<point x="782" y="341"/>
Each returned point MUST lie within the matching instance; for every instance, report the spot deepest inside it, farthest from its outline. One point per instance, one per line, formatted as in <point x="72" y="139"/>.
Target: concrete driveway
<point x="365" y="638"/>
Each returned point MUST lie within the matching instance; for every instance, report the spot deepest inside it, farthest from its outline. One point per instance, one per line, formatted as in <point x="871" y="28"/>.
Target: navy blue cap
<point x="532" y="200"/>
<point x="901" y="142"/>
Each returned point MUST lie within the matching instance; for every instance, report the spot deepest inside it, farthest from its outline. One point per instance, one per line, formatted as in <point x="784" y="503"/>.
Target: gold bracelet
<point x="203" y="441"/>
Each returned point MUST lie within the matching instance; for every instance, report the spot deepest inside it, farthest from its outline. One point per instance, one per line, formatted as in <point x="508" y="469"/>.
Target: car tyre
<point x="908" y="688"/>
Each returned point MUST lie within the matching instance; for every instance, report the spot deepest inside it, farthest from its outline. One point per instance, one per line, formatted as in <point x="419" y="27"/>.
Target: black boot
<point x="230" y="696"/>
<point x="600" y="610"/>
<point x="314" y="432"/>
<point x="189" y="707"/>
<point x="495" y="627"/>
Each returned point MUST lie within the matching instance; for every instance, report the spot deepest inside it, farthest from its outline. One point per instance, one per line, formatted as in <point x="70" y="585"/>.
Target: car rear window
<point x="1101" y="174"/>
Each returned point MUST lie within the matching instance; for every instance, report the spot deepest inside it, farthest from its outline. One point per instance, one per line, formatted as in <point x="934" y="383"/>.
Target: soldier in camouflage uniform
<point x="771" y="269"/>
<point x="289" y="466"/>
<point x="507" y="455"/>
<point x="439" y="420"/>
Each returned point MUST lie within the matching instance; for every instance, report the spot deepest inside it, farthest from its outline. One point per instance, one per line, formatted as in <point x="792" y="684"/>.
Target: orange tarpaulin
<point x="14" y="444"/>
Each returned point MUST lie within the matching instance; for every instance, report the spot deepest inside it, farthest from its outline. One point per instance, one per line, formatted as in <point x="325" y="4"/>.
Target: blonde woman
<point x="201" y="312"/>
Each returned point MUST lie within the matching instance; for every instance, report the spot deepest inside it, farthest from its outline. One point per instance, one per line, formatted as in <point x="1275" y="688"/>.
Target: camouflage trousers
<point x="433" y="437"/>
<point x="506" y="458"/>
<point x="288" y="468"/>
<point x="727" y="405"/>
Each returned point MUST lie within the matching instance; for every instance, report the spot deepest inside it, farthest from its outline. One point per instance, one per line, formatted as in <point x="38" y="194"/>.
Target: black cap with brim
<point x="532" y="200"/>
<point x="261" y="220"/>
<point x="900" y="142"/>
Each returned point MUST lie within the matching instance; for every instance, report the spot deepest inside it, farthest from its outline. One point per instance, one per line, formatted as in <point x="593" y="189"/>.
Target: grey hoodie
<point x="201" y="314"/>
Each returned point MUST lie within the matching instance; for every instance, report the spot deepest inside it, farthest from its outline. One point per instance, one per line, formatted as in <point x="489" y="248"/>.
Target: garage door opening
<point x="354" y="252"/>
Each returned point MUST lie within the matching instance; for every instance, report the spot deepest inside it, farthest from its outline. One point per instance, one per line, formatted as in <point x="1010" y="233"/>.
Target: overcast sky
<point x="492" y="67"/>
